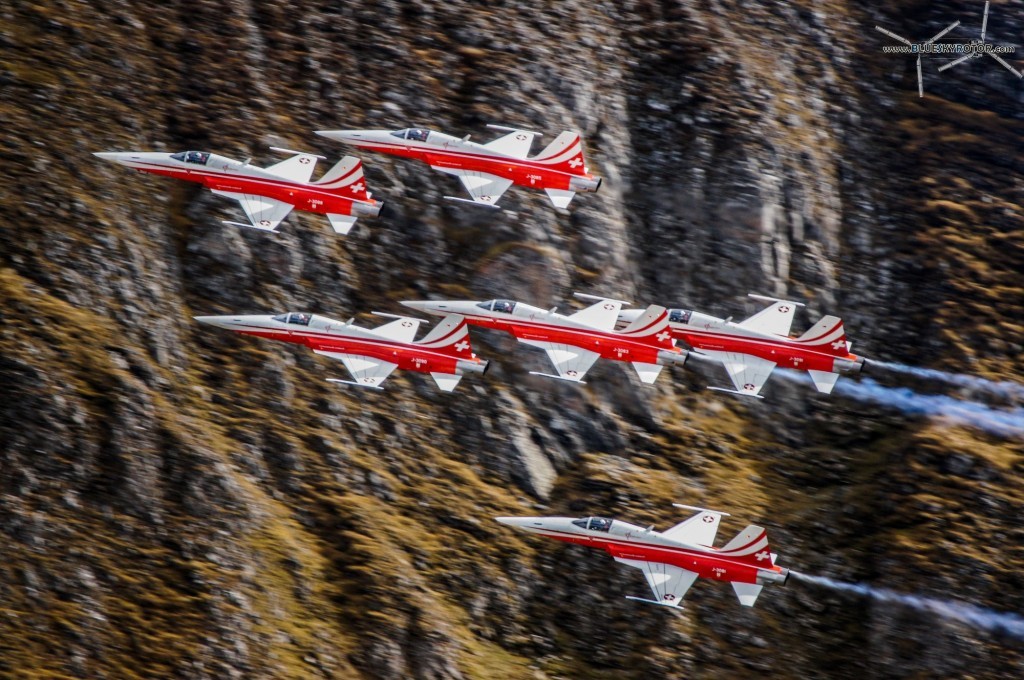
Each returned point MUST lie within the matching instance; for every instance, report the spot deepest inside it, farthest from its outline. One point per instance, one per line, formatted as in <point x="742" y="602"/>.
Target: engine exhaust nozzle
<point x="587" y="184"/>
<point x="765" y="577"/>
<point x="464" y="366"/>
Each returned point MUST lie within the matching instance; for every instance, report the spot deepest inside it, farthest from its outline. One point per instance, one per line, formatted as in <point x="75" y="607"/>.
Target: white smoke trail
<point x="1001" y="422"/>
<point x="1000" y="623"/>
<point x="1006" y="388"/>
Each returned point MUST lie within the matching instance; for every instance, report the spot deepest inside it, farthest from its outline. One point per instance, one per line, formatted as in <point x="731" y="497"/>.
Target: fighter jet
<point x="267" y="195"/>
<point x="488" y="170"/>
<point x="672" y="560"/>
<point x="752" y="348"/>
<point x="575" y="342"/>
<point x="370" y="354"/>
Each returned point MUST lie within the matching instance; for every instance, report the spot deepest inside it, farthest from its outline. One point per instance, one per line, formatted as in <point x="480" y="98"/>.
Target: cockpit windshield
<point x="593" y="523"/>
<point x="679" y="315"/>
<point x="415" y="134"/>
<point x="299" y="318"/>
<point x="197" y="157"/>
<point x="506" y="306"/>
<point x="283" y="318"/>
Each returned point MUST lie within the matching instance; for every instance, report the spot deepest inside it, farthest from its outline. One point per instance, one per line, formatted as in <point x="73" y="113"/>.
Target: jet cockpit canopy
<point x="415" y="134"/>
<point x="593" y="523"/>
<point x="298" y="318"/>
<point x="506" y="306"/>
<point x="197" y="157"/>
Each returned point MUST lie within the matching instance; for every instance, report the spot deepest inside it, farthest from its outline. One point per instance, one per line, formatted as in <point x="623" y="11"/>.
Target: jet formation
<point x="644" y="337"/>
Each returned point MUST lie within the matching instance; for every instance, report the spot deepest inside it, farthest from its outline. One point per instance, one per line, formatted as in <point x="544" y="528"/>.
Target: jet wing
<point x="700" y="529"/>
<point x="366" y="372"/>
<point x="484" y="188"/>
<point x="669" y="583"/>
<point x="402" y="330"/>
<point x="572" y="363"/>
<point x="264" y="213"/>
<point x="748" y="373"/>
<point x="298" y="168"/>
<point x="777" y="319"/>
<point x="516" y="144"/>
<point x="601" y="314"/>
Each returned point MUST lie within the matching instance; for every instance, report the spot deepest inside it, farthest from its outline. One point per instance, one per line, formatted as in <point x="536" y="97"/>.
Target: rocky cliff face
<point x="179" y="502"/>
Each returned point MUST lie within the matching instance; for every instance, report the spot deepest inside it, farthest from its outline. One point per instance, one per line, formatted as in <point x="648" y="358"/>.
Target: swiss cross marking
<point x="520" y="137"/>
<point x="576" y="162"/>
<point x="783" y="309"/>
<point x="761" y="556"/>
<point x="462" y="346"/>
<point x="265" y="223"/>
<point x="708" y="519"/>
<point x="663" y="336"/>
<point x="609" y="305"/>
<point x="669" y="597"/>
<point x="304" y="160"/>
<point x="750" y="387"/>
<point x="572" y="374"/>
<point x="838" y="344"/>
<point x="357" y="187"/>
<point x="406" y="324"/>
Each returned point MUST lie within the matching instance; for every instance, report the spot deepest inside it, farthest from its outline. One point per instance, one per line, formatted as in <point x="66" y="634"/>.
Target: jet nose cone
<point x="115" y="156"/>
<point x="343" y="135"/>
<point x="211" y="320"/>
<point x="519" y="522"/>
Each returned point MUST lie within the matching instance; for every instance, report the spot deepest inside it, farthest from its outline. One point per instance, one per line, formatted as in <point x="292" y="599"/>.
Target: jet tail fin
<point x="827" y="336"/>
<point x="749" y="546"/>
<point x="345" y="179"/>
<point x="651" y="325"/>
<point x="564" y="154"/>
<point x="450" y="336"/>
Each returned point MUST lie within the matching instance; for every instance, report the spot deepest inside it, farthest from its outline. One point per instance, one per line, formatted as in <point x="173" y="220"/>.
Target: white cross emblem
<point x="576" y="162"/>
<point x="708" y="519"/>
<point x="357" y="187"/>
<point x="304" y="160"/>
<point x="763" y="555"/>
<point x="838" y="344"/>
<point x="462" y="346"/>
<point x="783" y="309"/>
<point x="663" y="336"/>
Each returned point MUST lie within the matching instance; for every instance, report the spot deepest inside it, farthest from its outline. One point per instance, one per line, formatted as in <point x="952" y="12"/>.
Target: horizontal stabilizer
<point x="342" y="223"/>
<point x="560" y="198"/>
<point x="446" y="381"/>
<point x="648" y="372"/>
<point x="747" y="593"/>
<point x="824" y="380"/>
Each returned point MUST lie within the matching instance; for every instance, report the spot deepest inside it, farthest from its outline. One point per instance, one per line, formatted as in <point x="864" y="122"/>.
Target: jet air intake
<point x="666" y="358"/>
<point x="463" y="366"/>
<point x="584" y="184"/>
<point x="765" y="577"/>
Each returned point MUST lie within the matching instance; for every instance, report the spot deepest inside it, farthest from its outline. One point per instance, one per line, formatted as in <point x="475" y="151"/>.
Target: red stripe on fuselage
<point x="403" y="354"/>
<point x="602" y="342"/>
<point x="306" y="197"/>
<point x="781" y="351"/>
<point x="521" y="172"/>
<point x="703" y="563"/>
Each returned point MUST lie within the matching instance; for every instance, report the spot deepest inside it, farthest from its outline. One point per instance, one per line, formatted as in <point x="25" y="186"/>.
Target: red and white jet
<point x="488" y="170"/>
<point x="752" y="348"/>
<point x="575" y="342"/>
<point x="267" y="195"/>
<point x="672" y="560"/>
<point x="370" y="354"/>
